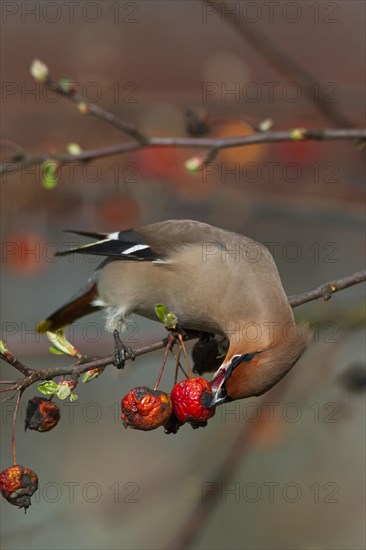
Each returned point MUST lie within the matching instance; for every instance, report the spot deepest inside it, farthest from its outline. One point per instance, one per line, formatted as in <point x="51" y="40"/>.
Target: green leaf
<point x="74" y="149"/>
<point x="39" y="70"/>
<point x="63" y="391"/>
<point x="73" y="397"/>
<point x="66" y="83"/>
<point x="49" y="387"/>
<point x="55" y="351"/>
<point x="265" y="125"/>
<point x="91" y="374"/>
<point x="193" y="165"/>
<point x="298" y="134"/>
<point x="50" y="174"/>
<point x="83" y="108"/>
<point x="161" y="312"/>
<point x="171" y="320"/>
<point x="3" y="348"/>
<point x="60" y="343"/>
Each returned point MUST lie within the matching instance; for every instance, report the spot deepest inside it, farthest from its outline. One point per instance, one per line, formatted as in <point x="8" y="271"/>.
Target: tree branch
<point x="282" y="63"/>
<point x="21" y="158"/>
<point x="325" y="291"/>
<point x="31" y="376"/>
<point x="68" y="89"/>
<point x="216" y="144"/>
<point x="8" y="357"/>
<point x="245" y="439"/>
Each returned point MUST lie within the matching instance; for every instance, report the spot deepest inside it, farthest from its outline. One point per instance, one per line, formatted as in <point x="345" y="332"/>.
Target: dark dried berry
<point x="17" y="485"/>
<point x="191" y="398"/>
<point x="172" y="425"/>
<point x="197" y="122"/>
<point x="206" y="355"/>
<point x="145" y="409"/>
<point x="42" y="414"/>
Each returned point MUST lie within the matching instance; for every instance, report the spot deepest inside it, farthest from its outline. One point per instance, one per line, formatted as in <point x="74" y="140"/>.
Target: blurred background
<point x="283" y="471"/>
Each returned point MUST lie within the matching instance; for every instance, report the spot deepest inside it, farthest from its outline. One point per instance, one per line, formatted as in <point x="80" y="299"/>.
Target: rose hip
<point x="191" y="398"/>
<point x="17" y="485"/>
<point x="42" y="414"/>
<point x="145" y="409"/>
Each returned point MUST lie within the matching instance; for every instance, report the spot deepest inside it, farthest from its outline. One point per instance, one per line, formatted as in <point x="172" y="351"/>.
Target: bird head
<point x="254" y="370"/>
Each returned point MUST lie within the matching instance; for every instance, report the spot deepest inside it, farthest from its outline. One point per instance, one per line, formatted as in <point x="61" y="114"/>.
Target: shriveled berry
<point x="17" y="485"/>
<point x="206" y="355"/>
<point x="190" y="399"/>
<point x="42" y="414"/>
<point x="172" y="425"/>
<point x="197" y="122"/>
<point x="145" y="409"/>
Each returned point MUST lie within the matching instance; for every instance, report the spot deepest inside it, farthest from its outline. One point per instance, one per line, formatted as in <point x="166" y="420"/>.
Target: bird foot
<point x="121" y="351"/>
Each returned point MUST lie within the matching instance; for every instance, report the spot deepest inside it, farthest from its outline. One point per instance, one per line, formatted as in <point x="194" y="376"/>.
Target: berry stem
<point x="13" y="426"/>
<point x="177" y="366"/>
<point x="168" y="347"/>
<point x="180" y="338"/>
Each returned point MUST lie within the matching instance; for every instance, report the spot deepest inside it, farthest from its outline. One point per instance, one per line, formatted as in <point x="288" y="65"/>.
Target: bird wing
<point x="123" y="245"/>
<point x="91" y="234"/>
<point x="156" y="241"/>
<point x="168" y="236"/>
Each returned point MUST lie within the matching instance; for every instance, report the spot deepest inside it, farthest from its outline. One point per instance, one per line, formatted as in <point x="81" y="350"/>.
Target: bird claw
<point x="121" y="351"/>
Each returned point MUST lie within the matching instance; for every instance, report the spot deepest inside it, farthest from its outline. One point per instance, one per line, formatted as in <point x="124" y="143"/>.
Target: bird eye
<point x="247" y="357"/>
<point x="238" y="359"/>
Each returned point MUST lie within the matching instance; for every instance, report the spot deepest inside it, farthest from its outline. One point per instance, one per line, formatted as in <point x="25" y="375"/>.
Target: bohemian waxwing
<point x="215" y="281"/>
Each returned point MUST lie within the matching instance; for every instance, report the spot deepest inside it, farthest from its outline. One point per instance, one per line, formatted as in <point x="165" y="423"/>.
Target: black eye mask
<point x="244" y="358"/>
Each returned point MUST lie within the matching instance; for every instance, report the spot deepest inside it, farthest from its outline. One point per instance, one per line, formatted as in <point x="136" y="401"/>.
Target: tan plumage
<point x="214" y="281"/>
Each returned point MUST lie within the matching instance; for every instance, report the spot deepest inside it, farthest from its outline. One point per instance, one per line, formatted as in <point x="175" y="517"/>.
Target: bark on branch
<point x="324" y="291"/>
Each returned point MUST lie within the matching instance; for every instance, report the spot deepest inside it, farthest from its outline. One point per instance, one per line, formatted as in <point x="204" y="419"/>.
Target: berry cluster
<point x="143" y="408"/>
<point x="17" y="483"/>
<point x="147" y="409"/>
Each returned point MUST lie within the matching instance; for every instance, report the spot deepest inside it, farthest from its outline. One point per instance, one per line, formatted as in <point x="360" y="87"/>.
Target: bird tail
<point x="81" y="304"/>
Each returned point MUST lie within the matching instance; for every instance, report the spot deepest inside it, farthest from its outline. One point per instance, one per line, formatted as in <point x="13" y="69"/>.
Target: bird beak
<point x="218" y="387"/>
<point x="217" y="399"/>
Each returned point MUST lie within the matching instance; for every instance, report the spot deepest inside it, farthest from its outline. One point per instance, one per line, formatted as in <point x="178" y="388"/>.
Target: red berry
<point x="17" y="485"/>
<point x="145" y="409"/>
<point x="42" y="414"/>
<point x="190" y="399"/>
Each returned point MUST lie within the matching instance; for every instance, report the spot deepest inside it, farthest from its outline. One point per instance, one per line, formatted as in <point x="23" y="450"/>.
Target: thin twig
<point x="243" y="443"/>
<point x="9" y="358"/>
<point x="325" y="291"/>
<point x="215" y="144"/>
<point x="10" y="388"/>
<point x="69" y="91"/>
<point x="282" y="62"/>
